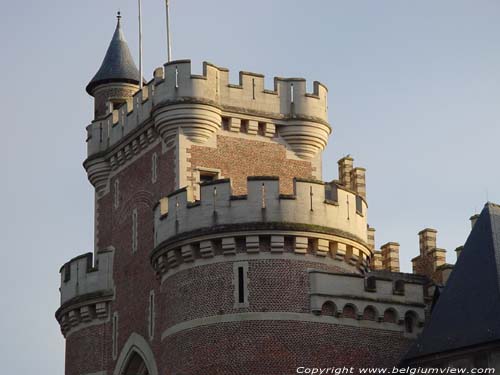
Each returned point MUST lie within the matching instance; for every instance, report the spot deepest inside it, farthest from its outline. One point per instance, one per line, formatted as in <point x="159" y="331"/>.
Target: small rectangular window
<point x="262" y="128"/>
<point x="240" y="282"/>
<point x="154" y="168"/>
<point x="359" y="205"/>
<point x="331" y="192"/>
<point x="241" y="288"/>
<point x="151" y="318"/>
<point x="244" y="126"/>
<point x="116" y="196"/>
<point x="134" y="230"/>
<point x="208" y="176"/>
<point x="115" y="336"/>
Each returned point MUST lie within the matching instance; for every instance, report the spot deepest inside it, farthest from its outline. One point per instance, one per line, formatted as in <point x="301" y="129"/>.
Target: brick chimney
<point x="376" y="263"/>
<point x="371" y="238"/>
<point x="432" y="260"/>
<point x="390" y="256"/>
<point x="473" y="220"/>
<point x="427" y="240"/>
<point x="358" y="181"/>
<point x="345" y="169"/>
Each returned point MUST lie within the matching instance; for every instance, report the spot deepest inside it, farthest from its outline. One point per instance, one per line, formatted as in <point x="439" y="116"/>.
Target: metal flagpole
<point x="140" y="45"/>
<point x="169" y="41"/>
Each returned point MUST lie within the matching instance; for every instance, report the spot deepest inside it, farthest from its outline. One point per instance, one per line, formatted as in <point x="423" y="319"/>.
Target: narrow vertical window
<point x="261" y="129"/>
<point x="116" y="196"/>
<point x="154" y="168"/>
<point x="134" y="230"/>
<point x="151" y="317"/>
<point x="241" y="288"/>
<point x="359" y="205"/>
<point x="115" y="335"/>
<point x="244" y="126"/>
<point x="240" y="282"/>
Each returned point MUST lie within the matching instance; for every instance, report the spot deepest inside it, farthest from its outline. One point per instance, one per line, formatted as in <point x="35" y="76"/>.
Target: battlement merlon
<point x="176" y="98"/>
<point x="81" y="277"/>
<point x="314" y="204"/>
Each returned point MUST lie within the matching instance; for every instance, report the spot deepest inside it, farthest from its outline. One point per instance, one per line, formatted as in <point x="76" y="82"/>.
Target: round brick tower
<point x="219" y="249"/>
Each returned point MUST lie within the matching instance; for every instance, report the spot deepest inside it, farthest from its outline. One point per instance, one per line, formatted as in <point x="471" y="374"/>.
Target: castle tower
<point x="218" y="248"/>
<point x="117" y="79"/>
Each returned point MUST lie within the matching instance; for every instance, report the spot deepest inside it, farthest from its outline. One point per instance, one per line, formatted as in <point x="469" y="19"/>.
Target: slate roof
<point x="118" y="64"/>
<point x="467" y="312"/>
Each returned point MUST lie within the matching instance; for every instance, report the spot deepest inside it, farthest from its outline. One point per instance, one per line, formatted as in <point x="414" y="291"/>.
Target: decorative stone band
<point x="227" y="244"/>
<point x="177" y="99"/>
<point x="84" y="311"/>
<point x="81" y="277"/>
<point x="277" y="317"/>
<point x="382" y="299"/>
<point x="263" y="203"/>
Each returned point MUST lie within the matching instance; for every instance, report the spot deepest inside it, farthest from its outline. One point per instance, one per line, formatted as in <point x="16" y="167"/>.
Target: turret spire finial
<point x="118" y="16"/>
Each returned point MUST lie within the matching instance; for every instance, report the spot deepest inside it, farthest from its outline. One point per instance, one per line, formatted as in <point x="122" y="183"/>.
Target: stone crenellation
<point x="395" y="303"/>
<point x="318" y="218"/>
<point x="81" y="277"/>
<point x="86" y="291"/>
<point x="312" y="204"/>
<point x="197" y="104"/>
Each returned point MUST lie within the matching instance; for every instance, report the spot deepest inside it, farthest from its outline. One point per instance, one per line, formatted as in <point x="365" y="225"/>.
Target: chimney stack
<point x="431" y="260"/>
<point x="358" y="181"/>
<point x="427" y="239"/>
<point x="473" y="220"/>
<point x="371" y="238"/>
<point x="376" y="263"/>
<point x="345" y="169"/>
<point x="390" y="256"/>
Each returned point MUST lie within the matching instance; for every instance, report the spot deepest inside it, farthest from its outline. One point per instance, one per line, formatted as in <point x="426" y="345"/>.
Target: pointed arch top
<point x="136" y="345"/>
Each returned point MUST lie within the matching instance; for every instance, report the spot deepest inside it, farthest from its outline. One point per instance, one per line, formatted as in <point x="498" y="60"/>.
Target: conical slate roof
<point x="467" y="312"/>
<point x="118" y="64"/>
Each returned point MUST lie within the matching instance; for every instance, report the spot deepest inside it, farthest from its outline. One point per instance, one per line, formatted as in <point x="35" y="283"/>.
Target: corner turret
<point x="118" y="77"/>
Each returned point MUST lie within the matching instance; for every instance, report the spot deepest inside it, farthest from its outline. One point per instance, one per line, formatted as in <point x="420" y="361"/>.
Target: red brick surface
<point x="277" y="348"/>
<point x="132" y="273"/>
<point x="273" y="285"/>
<point x="88" y="350"/>
<point x="238" y="158"/>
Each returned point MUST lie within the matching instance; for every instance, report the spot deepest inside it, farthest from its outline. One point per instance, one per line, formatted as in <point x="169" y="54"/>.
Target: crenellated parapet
<point x="318" y="218"/>
<point x="395" y="301"/>
<point x="86" y="289"/>
<point x="176" y="99"/>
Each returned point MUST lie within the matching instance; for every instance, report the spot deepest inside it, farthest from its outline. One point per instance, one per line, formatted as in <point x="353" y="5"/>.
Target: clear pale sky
<point x="414" y="90"/>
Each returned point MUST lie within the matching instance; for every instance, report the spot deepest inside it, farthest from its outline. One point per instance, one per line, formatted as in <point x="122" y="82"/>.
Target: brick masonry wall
<point x="425" y="266"/>
<point x="88" y="350"/>
<point x="273" y="285"/>
<point x="238" y="158"/>
<point x="277" y="348"/>
<point x="132" y="273"/>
